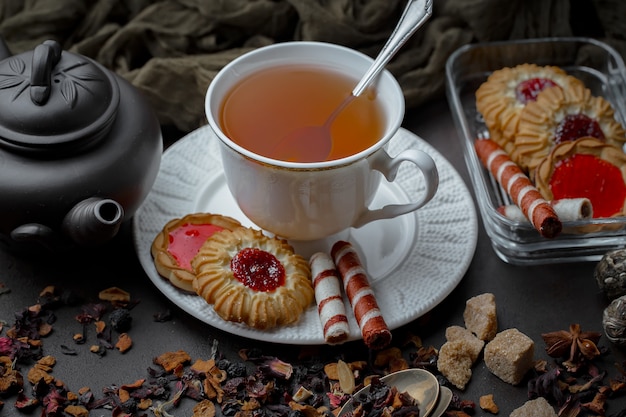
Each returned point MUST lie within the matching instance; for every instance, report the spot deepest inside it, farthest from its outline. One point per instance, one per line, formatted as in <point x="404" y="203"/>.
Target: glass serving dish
<point x="602" y="70"/>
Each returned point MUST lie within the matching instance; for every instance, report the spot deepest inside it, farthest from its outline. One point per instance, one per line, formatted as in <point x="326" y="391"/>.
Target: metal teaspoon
<point x="419" y="383"/>
<point x="293" y="146"/>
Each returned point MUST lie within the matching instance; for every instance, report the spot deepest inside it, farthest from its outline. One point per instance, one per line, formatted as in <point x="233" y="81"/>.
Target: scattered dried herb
<point x="577" y="344"/>
<point x="487" y="403"/>
<point x="573" y="382"/>
<point x="384" y="400"/>
<point x="258" y="385"/>
<point x="120" y="319"/>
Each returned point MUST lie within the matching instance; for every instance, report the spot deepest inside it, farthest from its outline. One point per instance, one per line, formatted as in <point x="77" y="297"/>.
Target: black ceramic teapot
<point x="80" y="148"/>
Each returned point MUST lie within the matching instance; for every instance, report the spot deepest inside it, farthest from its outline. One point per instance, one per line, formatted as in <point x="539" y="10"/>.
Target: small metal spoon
<point x="445" y="396"/>
<point x="298" y="145"/>
<point x="419" y="383"/>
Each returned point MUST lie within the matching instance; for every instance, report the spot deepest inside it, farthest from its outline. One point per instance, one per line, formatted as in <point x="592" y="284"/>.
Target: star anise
<point x="575" y="343"/>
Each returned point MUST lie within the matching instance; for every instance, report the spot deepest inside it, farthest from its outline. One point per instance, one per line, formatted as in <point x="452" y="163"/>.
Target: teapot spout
<point x="93" y="221"/>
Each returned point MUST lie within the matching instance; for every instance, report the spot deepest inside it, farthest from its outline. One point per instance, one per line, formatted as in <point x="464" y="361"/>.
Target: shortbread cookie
<point x="251" y="278"/>
<point x="179" y="241"/>
<point x="589" y="168"/>
<point x="506" y="92"/>
<point x="562" y="115"/>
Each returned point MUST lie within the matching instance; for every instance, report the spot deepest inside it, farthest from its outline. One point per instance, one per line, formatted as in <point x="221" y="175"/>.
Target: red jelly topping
<point x="185" y="241"/>
<point x="258" y="270"/>
<point x="528" y="90"/>
<point x="575" y="126"/>
<point x="588" y="176"/>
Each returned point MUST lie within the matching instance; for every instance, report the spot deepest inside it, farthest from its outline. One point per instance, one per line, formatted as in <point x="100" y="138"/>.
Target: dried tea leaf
<point x="11" y="381"/>
<point x="302" y="394"/>
<point x="346" y="377"/>
<point x="144" y="403"/>
<point x="100" y="326"/>
<point x="124" y="342"/>
<point x="306" y="410"/>
<point x="398" y="364"/>
<point x="251" y="405"/>
<point x="203" y="366"/>
<point x="210" y="368"/>
<point x="385" y="356"/>
<point x="47" y="361"/>
<point x="204" y="408"/>
<point x="36" y="374"/>
<point x="76" y="411"/>
<point x="486" y="403"/>
<point x="172" y="360"/>
<point x="137" y="384"/>
<point x="114" y="295"/>
<point x="358" y="365"/>
<point x="368" y="379"/>
<point x="47" y="291"/>
<point x="123" y="395"/>
<point x="213" y="389"/>
<point x="45" y="329"/>
<point x="331" y="372"/>
<point x="414" y="340"/>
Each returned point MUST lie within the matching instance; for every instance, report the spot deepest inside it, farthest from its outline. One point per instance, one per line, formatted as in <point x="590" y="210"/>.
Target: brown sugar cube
<point x="480" y="316"/>
<point x="538" y="407"/>
<point x="455" y="363"/>
<point x="510" y="355"/>
<point x="471" y="344"/>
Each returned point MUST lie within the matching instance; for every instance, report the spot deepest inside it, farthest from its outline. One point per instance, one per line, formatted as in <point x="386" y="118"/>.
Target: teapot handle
<point x="45" y="58"/>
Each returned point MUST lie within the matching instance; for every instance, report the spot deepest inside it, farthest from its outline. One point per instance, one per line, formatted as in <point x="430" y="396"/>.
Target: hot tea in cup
<point x="294" y="97"/>
<point x="305" y="201"/>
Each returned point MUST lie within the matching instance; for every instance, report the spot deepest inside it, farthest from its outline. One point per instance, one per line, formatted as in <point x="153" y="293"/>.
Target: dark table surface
<point x="533" y="299"/>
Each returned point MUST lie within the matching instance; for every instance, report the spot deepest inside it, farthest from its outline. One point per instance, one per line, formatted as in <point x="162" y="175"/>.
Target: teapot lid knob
<point x="45" y="57"/>
<point x="55" y="101"/>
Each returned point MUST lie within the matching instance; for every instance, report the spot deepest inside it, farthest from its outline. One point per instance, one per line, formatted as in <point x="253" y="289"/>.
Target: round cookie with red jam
<point x="586" y="167"/>
<point x="501" y="98"/>
<point x="254" y="279"/>
<point x="563" y="115"/>
<point x="179" y="241"/>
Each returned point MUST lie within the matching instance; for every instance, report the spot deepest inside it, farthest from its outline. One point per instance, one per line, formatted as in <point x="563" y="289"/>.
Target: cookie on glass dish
<point x="253" y="279"/>
<point x="178" y="242"/>
<point x="586" y="167"/>
<point x="562" y="115"/>
<point x="505" y="93"/>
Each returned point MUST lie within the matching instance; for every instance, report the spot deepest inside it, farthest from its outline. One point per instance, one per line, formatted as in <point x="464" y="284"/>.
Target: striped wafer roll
<point x="568" y="209"/>
<point x="523" y="193"/>
<point x="330" y="306"/>
<point x="374" y="330"/>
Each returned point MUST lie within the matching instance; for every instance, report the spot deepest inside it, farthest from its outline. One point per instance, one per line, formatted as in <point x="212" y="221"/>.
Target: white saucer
<point x="414" y="261"/>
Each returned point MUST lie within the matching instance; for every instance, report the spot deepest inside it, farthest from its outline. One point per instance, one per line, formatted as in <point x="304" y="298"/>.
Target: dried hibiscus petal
<point x="23" y="403"/>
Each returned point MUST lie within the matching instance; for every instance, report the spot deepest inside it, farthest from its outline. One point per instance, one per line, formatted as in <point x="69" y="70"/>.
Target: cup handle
<point x="389" y="166"/>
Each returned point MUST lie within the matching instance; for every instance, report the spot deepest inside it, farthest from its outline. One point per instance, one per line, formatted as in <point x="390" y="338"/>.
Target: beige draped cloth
<point x="172" y="49"/>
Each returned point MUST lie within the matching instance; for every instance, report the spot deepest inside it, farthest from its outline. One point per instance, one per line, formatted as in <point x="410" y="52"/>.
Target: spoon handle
<point x="415" y="14"/>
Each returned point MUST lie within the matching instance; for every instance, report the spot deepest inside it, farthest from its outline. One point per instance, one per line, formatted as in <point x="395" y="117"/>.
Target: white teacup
<point x="311" y="201"/>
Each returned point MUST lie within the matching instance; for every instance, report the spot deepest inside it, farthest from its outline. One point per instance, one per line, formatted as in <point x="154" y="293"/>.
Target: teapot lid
<point x="55" y="100"/>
